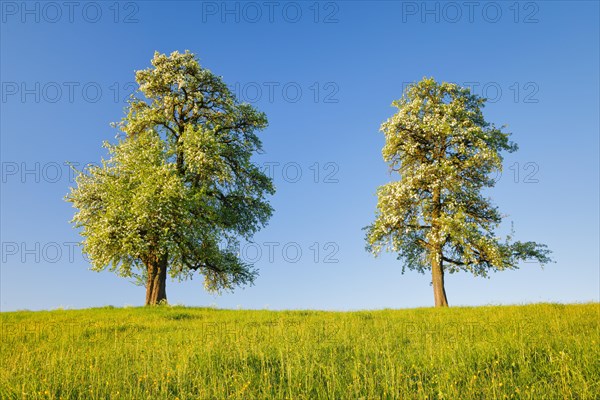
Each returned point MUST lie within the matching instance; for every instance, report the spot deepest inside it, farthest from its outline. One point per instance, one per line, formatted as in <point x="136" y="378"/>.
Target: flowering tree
<point x="435" y="216"/>
<point x="179" y="189"/>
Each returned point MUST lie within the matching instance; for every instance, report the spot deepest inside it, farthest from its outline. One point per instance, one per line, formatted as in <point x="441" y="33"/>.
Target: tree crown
<point x="180" y="184"/>
<point x="445" y="153"/>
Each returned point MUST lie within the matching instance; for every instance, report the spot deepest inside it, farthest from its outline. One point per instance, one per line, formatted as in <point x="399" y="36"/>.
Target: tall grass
<point x="515" y="352"/>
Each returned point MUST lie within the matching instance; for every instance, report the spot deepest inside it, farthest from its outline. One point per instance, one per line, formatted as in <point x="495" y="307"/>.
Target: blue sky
<point x="325" y="74"/>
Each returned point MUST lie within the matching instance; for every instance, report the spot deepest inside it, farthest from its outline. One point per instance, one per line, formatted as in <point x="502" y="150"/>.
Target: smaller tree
<point x="435" y="216"/>
<point x="179" y="189"/>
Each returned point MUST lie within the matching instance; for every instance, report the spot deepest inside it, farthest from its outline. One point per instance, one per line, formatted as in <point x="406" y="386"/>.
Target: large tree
<point x="435" y="215"/>
<point x="179" y="189"/>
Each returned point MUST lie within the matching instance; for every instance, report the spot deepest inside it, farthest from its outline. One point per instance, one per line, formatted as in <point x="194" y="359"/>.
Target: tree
<point x="180" y="189"/>
<point x="435" y="216"/>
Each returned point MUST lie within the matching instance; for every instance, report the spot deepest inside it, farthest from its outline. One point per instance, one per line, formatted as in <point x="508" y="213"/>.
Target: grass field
<point x="522" y="352"/>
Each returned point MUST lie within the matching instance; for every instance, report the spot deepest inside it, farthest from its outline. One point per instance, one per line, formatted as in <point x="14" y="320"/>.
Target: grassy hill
<point x="522" y="352"/>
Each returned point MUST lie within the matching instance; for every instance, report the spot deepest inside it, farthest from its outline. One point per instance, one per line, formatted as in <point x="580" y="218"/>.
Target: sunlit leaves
<point x="181" y="184"/>
<point x="439" y="142"/>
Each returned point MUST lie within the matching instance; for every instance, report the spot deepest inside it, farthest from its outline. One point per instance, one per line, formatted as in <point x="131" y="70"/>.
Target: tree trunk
<point x="157" y="281"/>
<point x="437" y="279"/>
<point x="437" y="267"/>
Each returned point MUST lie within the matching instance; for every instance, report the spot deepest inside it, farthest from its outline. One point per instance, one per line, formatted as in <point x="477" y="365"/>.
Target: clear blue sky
<point x="325" y="73"/>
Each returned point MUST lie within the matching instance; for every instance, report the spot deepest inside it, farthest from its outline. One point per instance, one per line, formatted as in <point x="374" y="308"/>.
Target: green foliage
<point x="445" y="154"/>
<point x="541" y="351"/>
<point x="180" y="184"/>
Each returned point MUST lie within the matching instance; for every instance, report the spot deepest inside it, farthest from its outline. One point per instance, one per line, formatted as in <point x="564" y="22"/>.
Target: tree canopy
<point x="434" y="216"/>
<point x="179" y="189"/>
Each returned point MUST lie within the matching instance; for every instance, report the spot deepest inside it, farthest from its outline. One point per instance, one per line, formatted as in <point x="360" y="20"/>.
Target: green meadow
<point x="538" y="351"/>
